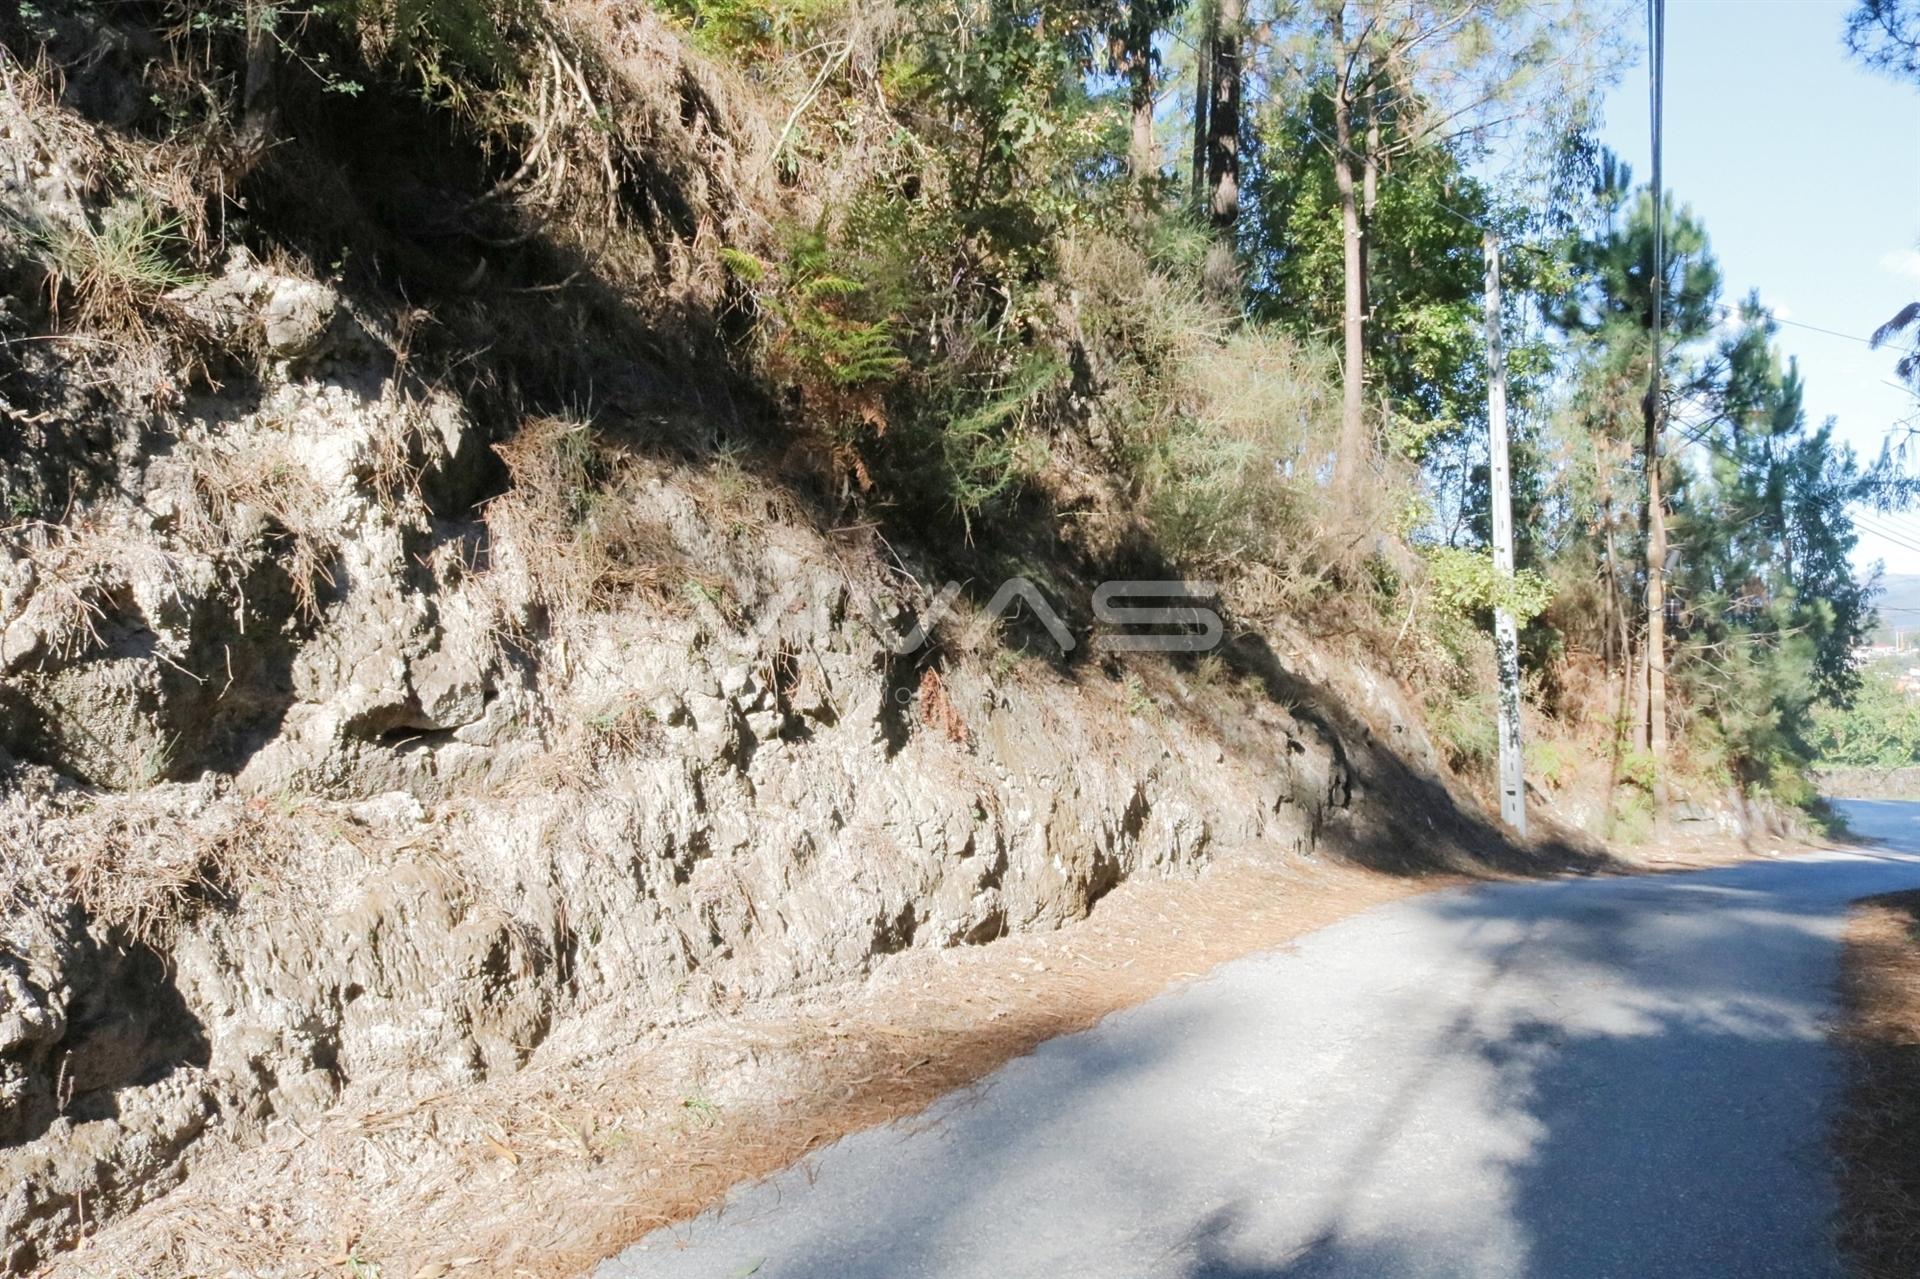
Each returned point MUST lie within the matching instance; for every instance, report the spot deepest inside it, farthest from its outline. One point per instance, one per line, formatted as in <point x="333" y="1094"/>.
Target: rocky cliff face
<point x="308" y="783"/>
<point x="348" y="734"/>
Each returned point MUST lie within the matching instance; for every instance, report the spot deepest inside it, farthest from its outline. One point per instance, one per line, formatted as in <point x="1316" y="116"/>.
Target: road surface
<point x="1605" y="1077"/>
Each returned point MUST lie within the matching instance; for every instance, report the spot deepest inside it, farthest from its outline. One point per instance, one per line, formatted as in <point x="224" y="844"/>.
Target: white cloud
<point x="1902" y="262"/>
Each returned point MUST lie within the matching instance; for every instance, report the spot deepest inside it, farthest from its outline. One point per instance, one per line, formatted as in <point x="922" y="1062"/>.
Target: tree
<point x="1885" y="35"/>
<point x="1768" y="608"/>
<point x="1207" y="22"/>
<point x="1424" y="272"/>
<point x="1223" y="145"/>
<point x="1609" y="315"/>
<point x="1135" y="58"/>
<point x="1879" y="728"/>
<point x="1403" y="75"/>
<point x="1141" y="166"/>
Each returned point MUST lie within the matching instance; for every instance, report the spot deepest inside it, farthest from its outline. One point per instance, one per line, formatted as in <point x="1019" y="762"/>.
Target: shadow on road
<point x="1618" y="1076"/>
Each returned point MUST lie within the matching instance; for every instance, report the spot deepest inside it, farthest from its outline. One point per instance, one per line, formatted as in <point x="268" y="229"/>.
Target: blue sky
<point x="1805" y="169"/>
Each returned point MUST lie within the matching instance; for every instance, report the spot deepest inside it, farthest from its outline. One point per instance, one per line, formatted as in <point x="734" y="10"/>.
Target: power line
<point x="1863" y="519"/>
<point x="1874" y="524"/>
<point x="1894" y="539"/>
<point x="1730" y="309"/>
<point x="1890" y="533"/>
<point x="1899" y="519"/>
<point x="1882" y="526"/>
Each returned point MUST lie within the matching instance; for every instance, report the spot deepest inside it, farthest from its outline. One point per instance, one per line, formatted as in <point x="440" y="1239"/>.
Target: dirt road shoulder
<point x="1878" y="1134"/>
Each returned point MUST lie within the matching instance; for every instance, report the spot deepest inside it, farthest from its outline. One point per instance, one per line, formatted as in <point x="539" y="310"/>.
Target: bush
<point x="447" y="48"/>
<point x="1219" y="432"/>
<point x="1632" y="816"/>
<point x="832" y="361"/>
<point x="1232" y="478"/>
<point x="748" y="26"/>
<point x="119" y="271"/>
<point x="982" y="443"/>
<point x="1550" y="761"/>
<point x="1464" y="583"/>
<point x="1467" y="728"/>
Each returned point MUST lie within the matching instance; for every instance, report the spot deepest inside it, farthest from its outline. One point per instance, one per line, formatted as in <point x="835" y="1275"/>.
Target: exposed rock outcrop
<point x="352" y="798"/>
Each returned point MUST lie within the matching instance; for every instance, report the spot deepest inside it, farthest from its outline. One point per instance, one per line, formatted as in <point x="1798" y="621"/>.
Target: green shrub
<point x="1637" y="769"/>
<point x="1465" y="725"/>
<point x="991" y="443"/>
<point x="1464" y="583"/>
<point x="1232" y="478"/>
<point x="449" y="49"/>
<point x="833" y="359"/>
<point x="748" y="26"/>
<point x="119" y="270"/>
<point x="1551" y="762"/>
<point x="1632" y="816"/>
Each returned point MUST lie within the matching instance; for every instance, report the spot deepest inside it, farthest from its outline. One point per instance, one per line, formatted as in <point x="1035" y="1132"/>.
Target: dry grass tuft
<point x="78" y="574"/>
<point x="620" y="731"/>
<point x="239" y="495"/>
<point x="633" y="148"/>
<point x="74" y="570"/>
<point x="571" y="533"/>
<point x="146" y="863"/>
<point x="118" y="269"/>
<point x="142" y="233"/>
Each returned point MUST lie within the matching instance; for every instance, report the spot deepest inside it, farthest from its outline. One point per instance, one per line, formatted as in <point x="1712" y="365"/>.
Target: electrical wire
<point x="1731" y="309"/>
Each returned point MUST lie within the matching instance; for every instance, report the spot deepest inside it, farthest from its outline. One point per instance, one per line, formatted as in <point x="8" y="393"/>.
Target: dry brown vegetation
<point x="239" y="496"/>
<point x="1878" y="1135"/>
<point x="144" y="864"/>
<point x="573" y="532"/>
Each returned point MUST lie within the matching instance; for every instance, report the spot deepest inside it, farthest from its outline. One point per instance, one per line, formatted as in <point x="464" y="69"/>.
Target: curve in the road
<point x="1576" y="1078"/>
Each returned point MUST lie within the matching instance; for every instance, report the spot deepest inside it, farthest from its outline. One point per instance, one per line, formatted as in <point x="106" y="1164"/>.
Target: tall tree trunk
<point x="1141" y="166"/>
<point x="1354" y="444"/>
<point x="1614" y="623"/>
<point x="1639" y="668"/>
<point x="259" y="105"/>
<point x="1656" y="614"/>
<point x="1369" y="197"/>
<point x="1203" y="99"/>
<point x="1223" y="152"/>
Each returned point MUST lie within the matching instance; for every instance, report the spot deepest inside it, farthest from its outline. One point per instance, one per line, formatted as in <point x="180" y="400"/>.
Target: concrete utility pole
<point x="1506" y="640"/>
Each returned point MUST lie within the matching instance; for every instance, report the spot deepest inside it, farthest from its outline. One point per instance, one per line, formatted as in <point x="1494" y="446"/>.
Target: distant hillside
<point x="1898" y="604"/>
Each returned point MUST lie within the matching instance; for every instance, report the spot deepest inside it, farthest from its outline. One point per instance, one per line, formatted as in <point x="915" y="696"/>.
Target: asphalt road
<point x="1574" y="1078"/>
